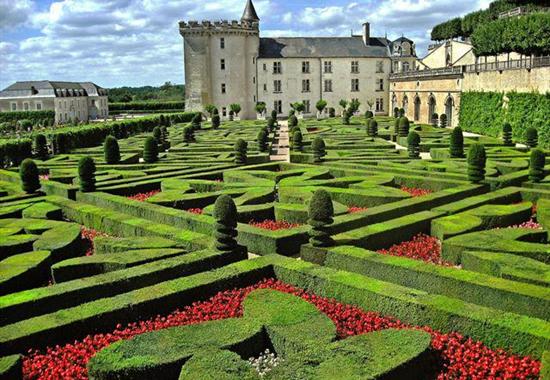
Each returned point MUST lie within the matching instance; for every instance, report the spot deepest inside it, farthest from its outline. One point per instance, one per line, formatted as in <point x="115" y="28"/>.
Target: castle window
<point x="328" y="85"/>
<point x="277" y="68"/>
<point x="307" y="106"/>
<point x="254" y="80"/>
<point x="222" y="43"/>
<point x="14" y="106"/>
<point x="305" y="67"/>
<point x="380" y="84"/>
<point x="379" y="66"/>
<point x="395" y="66"/>
<point x="355" y="67"/>
<point x="405" y="66"/>
<point x="265" y="67"/>
<point x="278" y="106"/>
<point x="379" y="104"/>
<point x="327" y="67"/>
<point x="224" y="111"/>
<point x="222" y="64"/>
<point x="253" y="60"/>
<point x="355" y="85"/>
<point x="223" y="88"/>
<point x="265" y="86"/>
<point x="38" y="106"/>
<point x="26" y="106"/>
<point x="305" y="85"/>
<point x="276" y="86"/>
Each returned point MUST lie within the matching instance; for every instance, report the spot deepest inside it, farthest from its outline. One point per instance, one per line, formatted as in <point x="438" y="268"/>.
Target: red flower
<point x="88" y="237"/>
<point x="273" y="225"/>
<point x="141" y="197"/>
<point x="354" y="209"/>
<point x="414" y="192"/>
<point x="197" y="211"/>
<point x="421" y="247"/>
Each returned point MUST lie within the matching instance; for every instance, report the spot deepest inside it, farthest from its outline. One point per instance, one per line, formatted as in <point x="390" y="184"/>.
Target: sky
<point x="136" y="42"/>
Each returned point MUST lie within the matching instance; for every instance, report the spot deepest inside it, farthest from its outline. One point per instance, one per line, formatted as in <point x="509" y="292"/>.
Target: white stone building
<point x="71" y="101"/>
<point x="228" y="62"/>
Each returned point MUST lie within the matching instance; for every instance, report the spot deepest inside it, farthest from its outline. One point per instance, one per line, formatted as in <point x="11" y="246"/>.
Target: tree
<point x="216" y="121"/>
<point x="321" y="105"/>
<point x="343" y="103"/>
<point x="354" y="105"/>
<point x="236" y="108"/>
<point x="262" y="140"/>
<point x="28" y="172"/>
<point x="403" y="126"/>
<point x="150" y="150"/>
<point x="435" y="120"/>
<point x="209" y="108"/>
<point x="86" y="174"/>
<point x="413" y="144"/>
<point x="188" y="134"/>
<point x="443" y="120"/>
<point x="41" y="146"/>
<point x="347" y="116"/>
<point x="225" y="214"/>
<point x="369" y="115"/>
<point x="507" y="135"/>
<point x="372" y="127"/>
<point x="318" y="147"/>
<point x="260" y="108"/>
<point x="320" y="217"/>
<point x="111" y="150"/>
<point x="537" y="162"/>
<point x="298" y="107"/>
<point x="292" y="121"/>
<point x="241" y="148"/>
<point x="196" y="121"/>
<point x="531" y="137"/>
<point x="456" y="143"/>
<point x="297" y="140"/>
<point x="157" y="134"/>
<point x="476" y="163"/>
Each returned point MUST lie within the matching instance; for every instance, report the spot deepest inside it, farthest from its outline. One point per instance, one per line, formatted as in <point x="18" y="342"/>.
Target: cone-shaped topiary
<point x="434" y="120"/>
<point x="28" y="172"/>
<point x="196" y="122"/>
<point x="396" y="112"/>
<point x="456" y="143"/>
<point x="150" y="150"/>
<point x="403" y="127"/>
<point x="372" y="128"/>
<point x="292" y="121"/>
<point x="320" y="216"/>
<point x="157" y="135"/>
<point x="225" y="213"/>
<point x="369" y="114"/>
<point x="241" y="148"/>
<point x="476" y="163"/>
<point x="270" y="124"/>
<point x="164" y="136"/>
<point x="396" y="126"/>
<point x="536" y="165"/>
<point x="297" y="141"/>
<point x="443" y="120"/>
<point x="86" y="174"/>
<point x="111" y="150"/>
<point x="216" y="121"/>
<point x="274" y="115"/>
<point x="347" y="116"/>
<point x="262" y="140"/>
<point x="41" y="146"/>
<point x="318" y="147"/>
<point x="61" y="144"/>
<point x="162" y="120"/>
<point x="413" y="144"/>
<point x="188" y="134"/>
<point x="531" y="137"/>
<point x="507" y="135"/>
<point x="401" y="112"/>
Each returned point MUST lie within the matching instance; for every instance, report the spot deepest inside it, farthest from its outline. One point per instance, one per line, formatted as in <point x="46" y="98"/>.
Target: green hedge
<point x="146" y="106"/>
<point x="482" y="112"/>
<point x="33" y="116"/>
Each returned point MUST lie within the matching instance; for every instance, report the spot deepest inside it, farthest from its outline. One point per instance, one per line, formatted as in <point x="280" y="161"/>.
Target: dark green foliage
<point x="111" y="150"/>
<point x="188" y="134"/>
<point x="401" y="112"/>
<point x="507" y="135"/>
<point x="354" y="105"/>
<point x="403" y="127"/>
<point x="372" y="127"/>
<point x="262" y="140"/>
<point x="396" y="126"/>
<point x="320" y="216"/>
<point x="292" y="121"/>
<point x="216" y="121"/>
<point x="396" y="112"/>
<point x="536" y="165"/>
<point x="241" y="148"/>
<point x="41" y="146"/>
<point x="447" y="30"/>
<point x="297" y="141"/>
<point x="61" y="144"/>
<point x="271" y="124"/>
<point x="413" y="144"/>
<point x="274" y="115"/>
<point x="369" y="115"/>
<point x="331" y="112"/>
<point x="150" y="150"/>
<point x="347" y="116"/>
<point x="157" y="135"/>
<point x="34" y="116"/>
<point x="164" y="136"/>
<point x="196" y="122"/>
<point x="476" y="163"/>
<point x="321" y="105"/>
<point x="531" y="137"/>
<point x="435" y="120"/>
<point x="86" y="173"/>
<point x="318" y="148"/>
<point x="443" y="120"/>
<point x="28" y="172"/>
<point x="225" y="213"/>
<point x="456" y="146"/>
<point x="146" y="106"/>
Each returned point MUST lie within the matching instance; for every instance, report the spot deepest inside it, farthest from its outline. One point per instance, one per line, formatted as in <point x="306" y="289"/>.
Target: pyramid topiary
<point x="403" y="127"/>
<point x="215" y="121"/>
<point x="61" y="144"/>
<point x="262" y="140"/>
<point x="157" y="134"/>
<point x="456" y="143"/>
<point x="536" y="165"/>
<point x="531" y="137"/>
<point x="372" y="128"/>
<point x="274" y="115"/>
<point x="507" y="135"/>
<point x="270" y="124"/>
<point x="443" y="120"/>
<point x="476" y="163"/>
<point x="41" y="146"/>
<point x="320" y="216"/>
<point x="347" y="116"/>
<point x="196" y="122"/>
<point x="225" y="214"/>
<point x="241" y="148"/>
<point x="150" y="150"/>
<point x="188" y="134"/>
<point x="413" y="144"/>
<point x="318" y="148"/>
<point x="86" y="174"/>
<point x="28" y="172"/>
<point x="164" y="136"/>
<point x="297" y="140"/>
<point x="396" y="112"/>
<point x="292" y="121"/>
<point x="111" y="150"/>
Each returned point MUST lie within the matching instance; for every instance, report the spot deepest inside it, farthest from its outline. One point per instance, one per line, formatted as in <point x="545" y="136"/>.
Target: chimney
<point x="366" y="33"/>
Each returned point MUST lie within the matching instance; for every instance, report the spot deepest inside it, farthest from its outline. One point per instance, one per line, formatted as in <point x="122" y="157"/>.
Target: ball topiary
<point x="434" y="119"/>
<point x="196" y="121"/>
<point x="507" y="135"/>
<point x="403" y="127"/>
<point x="536" y="165"/>
<point x="413" y="144"/>
<point x="86" y="174"/>
<point x="372" y="128"/>
<point x="216" y="121"/>
<point x="150" y="150"/>
<point x="401" y="112"/>
<point x="531" y="137"/>
<point x="292" y="121"/>
<point x="456" y="143"/>
<point x="331" y="112"/>
<point x="318" y="148"/>
<point x="396" y="112"/>
<point x="225" y="214"/>
<point x="443" y="120"/>
<point x="41" y="146"/>
<point x="157" y="135"/>
<point x="476" y="163"/>
<point x="262" y="140"/>
<point x="369" y="114"/>
<point x="320" y="215"/>
<point x="28" y="172"/>
<point x="297" y="140"/>
<point x="241" y="148"/>
<point x="111" y="150"/>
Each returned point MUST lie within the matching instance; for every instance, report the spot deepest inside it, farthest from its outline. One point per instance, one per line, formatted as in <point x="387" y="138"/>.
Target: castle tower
<point x="220" y="63"/>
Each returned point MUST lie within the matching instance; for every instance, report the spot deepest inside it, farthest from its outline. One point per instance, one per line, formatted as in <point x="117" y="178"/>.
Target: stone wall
<point x="521" y="80"/>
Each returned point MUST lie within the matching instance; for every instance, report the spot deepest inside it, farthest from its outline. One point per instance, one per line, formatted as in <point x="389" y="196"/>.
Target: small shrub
<point x="331" y="112"/>
<point x="456" y="143"/>
<point x="372" y="127"/>
<point x="536" y="165"/>
<point x="61" y="144"/>
<point x="321" y="105"/>
<point x="320" y="216"/>
<point x="297" y="140"/>
<point x="271" y="124"/>
<point x="401" y="112"/>
<point x="231" y="115"/>
<point x="196" y="122"/>
<point x="531" y="137"/>
<point x="28" y="172"/>
<point x="157" y="134"/>
<point x="188" y="134"/>
<point x="274" y="115"/>
<point x="403" y="127"/>
<point x="396" y="126"/>
<point x="111" y="150"/>
<point x="396" y="112"/>
<point x="86" y="173"/>
<point x="241" y="148"/>
<point x="292" y="121"/>
<point x="369" y="115"/>
<point x="347" y="116"/>
<point x="225" y="213"/>
<point x="476" y="163"/>
<point x="41" y="146"/>
<point x="164" y="136"/>
<point x="216" y="121"/>
<point x="150" y="150"/>
<point x="262" y="140"/>
<point x="507" y="135"/>
<point x="434" y="120"/>
<point x="413" y="144"/>
<point x="443" y="120"/>
<point x="318" y="147"/>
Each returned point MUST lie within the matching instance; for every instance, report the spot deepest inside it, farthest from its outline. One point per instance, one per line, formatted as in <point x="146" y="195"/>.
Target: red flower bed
<point x="414" y="192"/>
<point x="88" y="236"/>
<point x="421" y="247"/>
<point x="273" y="225"/>
<point x="354" y="209"/>
<point x="531" y="223"/>
<point x="456" y="357"/>
<point x="197" y="211"/>
<point x="143" y="196"/>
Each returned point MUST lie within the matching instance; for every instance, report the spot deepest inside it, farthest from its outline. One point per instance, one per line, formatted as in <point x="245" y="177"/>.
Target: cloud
<point x="14" y="13"/>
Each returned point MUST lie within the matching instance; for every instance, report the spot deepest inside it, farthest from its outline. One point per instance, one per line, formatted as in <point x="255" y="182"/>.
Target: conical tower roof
<point x="249" y="13"/>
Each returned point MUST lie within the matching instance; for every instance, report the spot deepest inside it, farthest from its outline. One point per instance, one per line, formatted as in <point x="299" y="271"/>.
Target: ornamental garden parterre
<point x="171" y="247"/>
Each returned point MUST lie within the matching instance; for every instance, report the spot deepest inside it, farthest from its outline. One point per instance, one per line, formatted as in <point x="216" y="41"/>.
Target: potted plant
<point x="321" y="107"/>
<point x="343" y="103"/>
<point x="260" y="111"/>
<point x="236" y="108"/>
<point x="299" y="108"/>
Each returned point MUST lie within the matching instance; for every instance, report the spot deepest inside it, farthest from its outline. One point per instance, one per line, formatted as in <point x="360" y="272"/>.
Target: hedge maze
<point x="188" y="253"/>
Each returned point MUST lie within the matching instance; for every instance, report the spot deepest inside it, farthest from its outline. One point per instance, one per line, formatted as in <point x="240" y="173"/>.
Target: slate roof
<point x="249" y="13"/>
<point x="46" y="88"/>
<point x="322" y="47"/>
